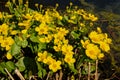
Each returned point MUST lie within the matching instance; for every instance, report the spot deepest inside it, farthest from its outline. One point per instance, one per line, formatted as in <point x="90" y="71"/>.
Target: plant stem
<point x="48" y="76"/>
<point x="79" y="73"/>
<point x="89" y="66"/>
<point x="96" y="72"/>
<point x="9" y="74"/>
<point x="61" y="74"/>
<point x="19" y="74"/>
<point x="56" y="76"/>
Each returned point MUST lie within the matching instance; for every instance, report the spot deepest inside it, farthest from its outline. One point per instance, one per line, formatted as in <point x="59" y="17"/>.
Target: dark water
<point x="110" y="5"/>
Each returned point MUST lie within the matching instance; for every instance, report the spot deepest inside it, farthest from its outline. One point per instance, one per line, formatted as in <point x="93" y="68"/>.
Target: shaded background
<point x="109" y="5"/>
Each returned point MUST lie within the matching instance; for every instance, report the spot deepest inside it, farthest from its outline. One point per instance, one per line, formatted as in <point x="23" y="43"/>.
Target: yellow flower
<point x="108" y="40"/>
<point x="91" y="24"/>
<point x="69" y="59"/>
<point x="24" y="31"/>
<point x="94" y="37"/>
<point x="1" y="39"/>
<point x="42" y="40"/>
<point x="100" y="56"/>
<point x="4" y="29"/>
<point x="48" y="38"/>
<point x="42" y="29"/>
<point x="92" y="17"/>
<point x="49" y="60"/>
<point x="85" y="17"/>
<point x="57" y="48"/>
<point x="84" y="44"/>
<point x="82" y="24"/>
<point x="55" y="66"/>
<point x="73" y="17"/>
<point x="37" y="16"/>
<point x="104" y="46"/>
<point x="92" y="51"/>
<point x="65" y="41"/>
<point x="7" y="42"/>
<point x="56" y="41"/>
<point x="25" y="23"/>
<point x="8" y="56"/>
<point x="57" y="15"/>
<point x="13" y="32"/>
<point x="66" y="49"/>
<point x="62" y="31"/>
<point x="28" y="16"/>
<point x="0" y="15"/>
<point x="99" y="30"/>
<point x="42" y="56"/>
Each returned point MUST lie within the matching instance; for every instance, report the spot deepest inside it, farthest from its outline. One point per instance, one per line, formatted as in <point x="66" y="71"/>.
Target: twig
<point x="19" y="74"/>
<point x="48" y="76"/>
<point x="9" y="74"/>
<point x="56" y="76"/>
<point x="68" y="78"/>
<point x="61" y="75"/>
<point x="89" y="66"/>
<point x="96" y="72"/>
<point x="79" y="73"/>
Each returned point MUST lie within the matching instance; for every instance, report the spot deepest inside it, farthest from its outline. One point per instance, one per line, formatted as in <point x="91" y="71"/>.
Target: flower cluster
<point x="49" y="38"/>
<point x="61" y="45"/>
<point x="5" y="40"/>
<point x="97" y="44"/>
<point x="47" y="59"/>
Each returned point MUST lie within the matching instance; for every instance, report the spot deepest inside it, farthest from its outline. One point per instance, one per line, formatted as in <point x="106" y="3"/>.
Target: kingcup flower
<point x="9" y="56"/>
<point x="97" y="43"/>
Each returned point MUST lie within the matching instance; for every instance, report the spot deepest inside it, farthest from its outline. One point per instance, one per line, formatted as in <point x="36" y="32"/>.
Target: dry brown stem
<point x="9" y="74"/>
<point x="17" y="72"/>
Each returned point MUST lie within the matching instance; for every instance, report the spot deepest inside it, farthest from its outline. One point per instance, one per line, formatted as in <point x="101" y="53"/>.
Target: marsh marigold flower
<point x="8" y="56"/>
<point x="92" y="51"/>
<point x="67" y="48"/>
<point x="84" y="44"/>
<point x="4" y="29"/>
<point x="104" y="46"/>
<point x="49" y="60"/>
<point x="94" y="37"/>
<point x="42" y="56"/>
<point x="0" y="15"/>
<point x="100" y="56"/>
<point x="42" y="29"/>
<point x="69" y="59"/>
<point x="55" y="66"/>
<point x="7" y="42"/>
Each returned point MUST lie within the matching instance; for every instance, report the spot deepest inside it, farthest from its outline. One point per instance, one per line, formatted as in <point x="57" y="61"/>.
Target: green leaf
<point x="33" y="38"/>
<point x="20" y="64"/>
<point x="60" y="23"/>
<point x="10" y="64"/>
<point x="41" y="46"/>
<point x="39" y="66"/>
<point x="18" y="41"/>
<point x="75" y="34"/>
<point x="15" y="49"/>
<point x="44" y="72"/>
<point x="24" y="43"/>
<point x="2" y="66"/>
<point x="66" y="17"/>
<point x="73" y="68"/>
<point x="40" y="73"/>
